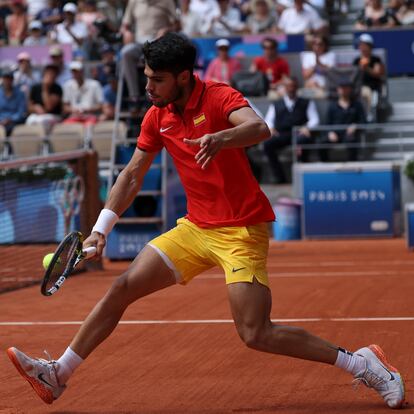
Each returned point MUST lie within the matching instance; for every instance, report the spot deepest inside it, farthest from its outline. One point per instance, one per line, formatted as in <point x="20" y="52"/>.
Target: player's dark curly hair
<point x="171" y="53"/>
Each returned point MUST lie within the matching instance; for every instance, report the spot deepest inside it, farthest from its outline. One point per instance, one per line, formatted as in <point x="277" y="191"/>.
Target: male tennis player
<point x="205" y="127"/>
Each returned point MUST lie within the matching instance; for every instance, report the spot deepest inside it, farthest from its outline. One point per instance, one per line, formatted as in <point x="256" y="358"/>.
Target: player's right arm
<point x="121" y="196"/>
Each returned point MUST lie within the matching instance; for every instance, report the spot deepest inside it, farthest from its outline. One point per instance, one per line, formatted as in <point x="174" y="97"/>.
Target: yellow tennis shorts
<point x="240" y="251"/>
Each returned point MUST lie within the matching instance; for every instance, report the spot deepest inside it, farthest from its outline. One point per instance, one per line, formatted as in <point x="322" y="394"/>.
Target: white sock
<point x="67" y="364"/>
<point x="350" y="362"/>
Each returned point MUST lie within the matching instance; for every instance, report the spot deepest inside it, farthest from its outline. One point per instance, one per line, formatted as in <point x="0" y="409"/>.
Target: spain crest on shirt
<point x="199" y="119"/>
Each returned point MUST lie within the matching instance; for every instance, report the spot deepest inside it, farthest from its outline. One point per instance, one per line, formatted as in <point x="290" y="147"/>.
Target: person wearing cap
<point x="16" y="23"/>
<point x="50" y="16"/>
<point x="223" y="67"/>
<point x="70" y="30"/>
<point x="346" y="110"/>
<point x="58" y="59"/>
<point x="271" y="64"/>
<point x="82" y="98"/>
<point x="13" y="106"/>
<point x="35" y="37"/>
<point x="45" y="100"/>
<point x="25" y="76"/>
<point x="373" y="71"/>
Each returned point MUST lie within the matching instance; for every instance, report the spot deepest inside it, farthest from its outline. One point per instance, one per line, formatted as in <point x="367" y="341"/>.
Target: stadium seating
<point x="27" y="140"/>
<point x="67" y="137"/>
<point x="102" y="135"/>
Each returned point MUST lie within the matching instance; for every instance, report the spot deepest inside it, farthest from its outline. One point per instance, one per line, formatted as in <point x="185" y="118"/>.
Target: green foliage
<point x="409" y="169"/>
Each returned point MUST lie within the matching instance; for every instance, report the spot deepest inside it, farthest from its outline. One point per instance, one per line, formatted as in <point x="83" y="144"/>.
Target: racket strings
<point x="63" y="262"/>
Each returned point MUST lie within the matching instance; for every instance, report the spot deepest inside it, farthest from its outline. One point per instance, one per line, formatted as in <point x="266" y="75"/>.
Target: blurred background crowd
<point x="77" y="80"/>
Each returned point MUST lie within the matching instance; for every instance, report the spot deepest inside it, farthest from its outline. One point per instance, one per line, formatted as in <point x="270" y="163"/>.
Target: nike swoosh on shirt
<point x="165" y="129"/>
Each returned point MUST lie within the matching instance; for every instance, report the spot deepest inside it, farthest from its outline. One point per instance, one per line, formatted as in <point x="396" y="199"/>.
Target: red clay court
<point x="177" y="351"/>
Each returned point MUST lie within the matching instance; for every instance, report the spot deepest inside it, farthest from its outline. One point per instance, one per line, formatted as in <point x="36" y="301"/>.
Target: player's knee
<point x="118" y="290"/>
<point x="252" y="335"/>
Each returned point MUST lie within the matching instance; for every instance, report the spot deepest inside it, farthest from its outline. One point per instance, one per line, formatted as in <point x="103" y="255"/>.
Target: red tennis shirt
<point x="225" y="193"/>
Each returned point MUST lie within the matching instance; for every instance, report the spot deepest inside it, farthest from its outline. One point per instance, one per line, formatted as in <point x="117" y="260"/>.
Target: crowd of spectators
<point x="109" y="31"/>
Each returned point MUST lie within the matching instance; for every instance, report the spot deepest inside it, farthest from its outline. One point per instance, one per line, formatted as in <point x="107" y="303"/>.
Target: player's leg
<point x="148" y="273"/>
<point x="251" y="304"/>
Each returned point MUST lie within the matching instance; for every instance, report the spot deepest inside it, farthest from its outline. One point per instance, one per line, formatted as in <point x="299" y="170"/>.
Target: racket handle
<point x="89" y="252"/>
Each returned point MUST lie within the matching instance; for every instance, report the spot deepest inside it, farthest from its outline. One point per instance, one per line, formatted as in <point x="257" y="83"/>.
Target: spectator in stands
<point x="190" y="21"/>
<point x="25" y="76"/>
<point x="225" y="22"/>
<point x="263" y="18"/>
<point x="106" y="67"/>
<point x="405" y="14"/>
<point x="58" y="59"/>
<point x="373" y="71"/>
<point x="70" y="31"/>
<point x="282" y="115"/>
<point x="12" y="102"/>
<point x="373" y="15"/>
<point x="35" y="37"/>
<point x="45" y="100"/>
<point x="302" y="19"/>
<point x="113" y="10"/>
<point x="34" y="7"/>
<point x="393" y="7"/>
<point x="205" y="9"/>
<point x="50" y="15"/>
<point x="223" y="67"/>
<point x="109" y="98"/>
<point x="271" y="64"/>
<point x="88" y="14"/>
<point x="16" y="23"/>
<point x="82" y="98"/>
<point x="144" y="20"/>
<point x="347" y="110"/>
<point x="315" y="65"/>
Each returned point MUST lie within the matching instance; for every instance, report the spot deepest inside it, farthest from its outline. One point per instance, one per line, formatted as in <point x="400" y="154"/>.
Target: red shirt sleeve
<point x="149" y="138"/>
<point x="229" y="99"/>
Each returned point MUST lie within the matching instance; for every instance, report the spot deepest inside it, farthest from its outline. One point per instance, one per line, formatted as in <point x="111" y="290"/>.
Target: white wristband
<point x="106" y="221"/>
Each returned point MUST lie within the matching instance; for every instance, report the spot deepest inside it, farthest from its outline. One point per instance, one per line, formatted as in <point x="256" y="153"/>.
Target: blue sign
<point x="399" y="44"/>
<point x="351" y="203"/>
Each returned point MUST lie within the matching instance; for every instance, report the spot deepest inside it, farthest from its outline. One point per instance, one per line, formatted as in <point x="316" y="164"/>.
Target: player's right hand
<point x="97" y="240"/>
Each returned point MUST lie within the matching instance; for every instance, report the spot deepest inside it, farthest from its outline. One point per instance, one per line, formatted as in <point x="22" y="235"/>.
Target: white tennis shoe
<point x="381" y="376"/>
<point x="40" y="373"/>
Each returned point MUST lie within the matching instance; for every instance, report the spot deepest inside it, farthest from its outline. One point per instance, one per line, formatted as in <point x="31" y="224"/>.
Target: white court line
<point x="317" y="274"/>
<point x="368" y="273"/>
<point x="215" y="321"/>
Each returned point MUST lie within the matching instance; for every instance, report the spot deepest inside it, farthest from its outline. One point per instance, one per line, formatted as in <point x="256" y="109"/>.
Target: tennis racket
<point x="66" y="257"/>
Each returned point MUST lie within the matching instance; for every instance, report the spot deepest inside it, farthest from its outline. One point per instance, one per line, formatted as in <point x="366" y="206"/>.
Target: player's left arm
<point x="248" y="129"/>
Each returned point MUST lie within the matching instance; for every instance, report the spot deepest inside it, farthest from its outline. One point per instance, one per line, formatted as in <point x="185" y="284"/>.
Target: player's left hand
<point x="209" y="145"/>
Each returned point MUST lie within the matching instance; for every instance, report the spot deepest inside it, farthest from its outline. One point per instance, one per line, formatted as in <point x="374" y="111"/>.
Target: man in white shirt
<point x="82" y="98"/>
<point x="282" y="116"/>
<point x="301" y="20"/>
<point x="70" y="31"/>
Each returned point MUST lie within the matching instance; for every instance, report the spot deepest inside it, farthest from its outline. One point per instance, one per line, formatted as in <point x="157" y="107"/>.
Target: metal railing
<point x="373" y="140"/>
